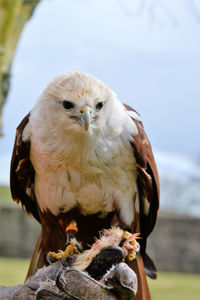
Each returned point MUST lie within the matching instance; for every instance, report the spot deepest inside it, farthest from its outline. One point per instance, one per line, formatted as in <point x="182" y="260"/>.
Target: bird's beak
<point x="85" y="114"/>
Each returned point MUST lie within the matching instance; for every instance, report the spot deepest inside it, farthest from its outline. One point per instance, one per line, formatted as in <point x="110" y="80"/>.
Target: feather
<point x="60" y="172"/>
<point x="22" y="172"/>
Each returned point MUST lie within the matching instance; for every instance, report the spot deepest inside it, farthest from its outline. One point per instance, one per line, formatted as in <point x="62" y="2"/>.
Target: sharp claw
<point x="67" y="244"/>
<point x="53" y="256"/>
<point x="76" y="245"/>
<point x="130" y="245"/>
<point x="72" y="248"/>
<point x="62" y="252"/>
<point x="64" y="262"/>
<point x="49" y="259"/>
<point x="79" y="248"/>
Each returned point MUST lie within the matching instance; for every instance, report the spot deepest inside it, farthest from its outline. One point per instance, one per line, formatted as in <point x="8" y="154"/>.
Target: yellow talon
<point x="131" y="238"/>
<point x="55" y="255"/>
<point x="69" y="250"/>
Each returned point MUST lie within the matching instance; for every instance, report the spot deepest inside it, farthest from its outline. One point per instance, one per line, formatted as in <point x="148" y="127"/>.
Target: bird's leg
<point x="71" y="232"/>
<point x="72" y="245"/>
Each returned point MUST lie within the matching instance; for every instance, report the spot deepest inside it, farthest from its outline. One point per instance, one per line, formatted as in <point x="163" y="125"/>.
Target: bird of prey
<point x="82" y="159"/>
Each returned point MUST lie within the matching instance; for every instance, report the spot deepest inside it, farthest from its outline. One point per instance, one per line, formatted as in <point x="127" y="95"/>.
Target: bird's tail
<point x="149" y="266"/>
<point x="37" y="260"/>
<point x="143" y="291"/>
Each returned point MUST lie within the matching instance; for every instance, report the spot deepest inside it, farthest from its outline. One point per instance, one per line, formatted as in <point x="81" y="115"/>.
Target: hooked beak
<point x="85" y="114"/>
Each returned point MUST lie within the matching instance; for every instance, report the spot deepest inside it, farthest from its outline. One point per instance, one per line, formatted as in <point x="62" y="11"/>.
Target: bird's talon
<point x="131" y="245"/>
<point x="76" y="246"/>
<point x="79" y="248"/>
<point x="49" y="258"/>
<point x="73" y="247"/>
<point x="54" y="256"/>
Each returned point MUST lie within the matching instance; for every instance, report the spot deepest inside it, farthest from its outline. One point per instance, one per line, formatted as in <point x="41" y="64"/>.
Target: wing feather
<point x="22" y="172"/>
<point x="148" y="188"/>
<point x="148" y="180"/>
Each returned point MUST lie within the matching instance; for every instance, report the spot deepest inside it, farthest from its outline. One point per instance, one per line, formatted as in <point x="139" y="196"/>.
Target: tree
<point x="13" y="16"/>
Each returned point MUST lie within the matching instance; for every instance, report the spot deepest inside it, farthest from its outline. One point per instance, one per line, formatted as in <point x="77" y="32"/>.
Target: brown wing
<point x="148" y="184"/>
<point x="148" y="180"/>
<point x="22" y="173"/>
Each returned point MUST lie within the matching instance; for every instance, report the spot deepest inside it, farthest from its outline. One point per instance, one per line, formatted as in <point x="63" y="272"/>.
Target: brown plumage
<point x="53" y="225"/>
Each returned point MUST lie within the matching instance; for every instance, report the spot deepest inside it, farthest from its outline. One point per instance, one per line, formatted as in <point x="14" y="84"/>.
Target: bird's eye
<point x="99" y="105"/>
<point x="68" y="104"/>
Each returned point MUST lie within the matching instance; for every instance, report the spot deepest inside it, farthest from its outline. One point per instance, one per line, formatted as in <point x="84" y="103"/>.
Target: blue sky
<point x="151" y="59"/>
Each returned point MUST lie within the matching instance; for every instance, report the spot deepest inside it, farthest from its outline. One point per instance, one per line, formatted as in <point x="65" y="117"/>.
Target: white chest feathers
<point x="95" y="172"/>
<point x="98" y="178"/>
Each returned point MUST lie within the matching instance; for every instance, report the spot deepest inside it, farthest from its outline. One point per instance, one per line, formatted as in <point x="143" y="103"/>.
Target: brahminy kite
<point x="82" y="159"/>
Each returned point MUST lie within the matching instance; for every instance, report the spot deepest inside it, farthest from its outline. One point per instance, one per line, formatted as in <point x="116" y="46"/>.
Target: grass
<point x="13" y="270"/>
<point x="175" y="286"/>
<point x="5" y="196"/>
